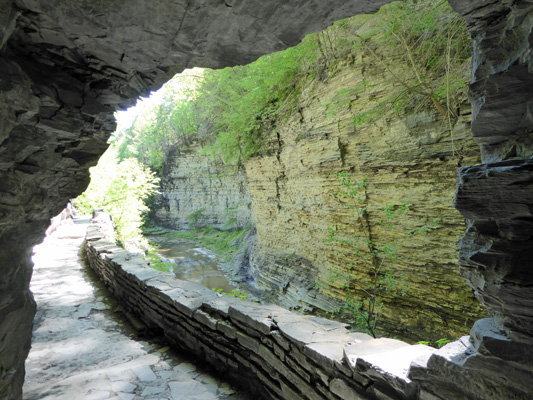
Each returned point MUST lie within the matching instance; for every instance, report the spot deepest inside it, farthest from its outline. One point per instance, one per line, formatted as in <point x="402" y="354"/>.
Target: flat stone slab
<point x="370" y="347"/>
<point x="189" y="297"/>
<point x="254" y="316"/>
<point x="220" y="305"/>
<point x="299" y="332"/>
<point x="391" y="368"/>
<point x="330" y="352"/>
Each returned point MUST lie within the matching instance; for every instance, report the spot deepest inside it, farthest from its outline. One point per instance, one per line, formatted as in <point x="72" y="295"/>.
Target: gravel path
<point x="81" y="350"/>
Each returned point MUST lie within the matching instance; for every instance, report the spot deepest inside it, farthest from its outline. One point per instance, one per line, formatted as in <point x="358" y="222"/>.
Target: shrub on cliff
<point x="371" y="273"/>
<point x="234" y="111"/>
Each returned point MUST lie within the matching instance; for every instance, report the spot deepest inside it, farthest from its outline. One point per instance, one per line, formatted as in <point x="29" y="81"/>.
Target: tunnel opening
<point x="35" y="101"/>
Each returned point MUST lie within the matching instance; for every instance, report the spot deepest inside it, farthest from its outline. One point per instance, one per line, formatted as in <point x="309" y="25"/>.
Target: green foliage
<point x="169" y="119"/>
<point x="442" y="342"/>
<point x="363" y="297"/>
<point x="196" y="217"/>
<point x="231" y="215"/>
<point x="237" y="293"/>
<point x="157" y="263"/>
<point x="437" y="343"/>
<point x="436" y="43"/>
<point x="423" y="46"/>
<point x="244" y="100"/>
<point x="120" y="188"/>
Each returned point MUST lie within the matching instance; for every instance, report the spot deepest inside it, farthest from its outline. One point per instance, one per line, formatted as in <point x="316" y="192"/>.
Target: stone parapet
<point x="277" y="354"/>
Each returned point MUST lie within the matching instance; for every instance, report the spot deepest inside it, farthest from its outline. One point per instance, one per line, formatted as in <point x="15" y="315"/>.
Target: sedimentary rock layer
<point x="192" y="182"/>
<point x="410" y="157"/>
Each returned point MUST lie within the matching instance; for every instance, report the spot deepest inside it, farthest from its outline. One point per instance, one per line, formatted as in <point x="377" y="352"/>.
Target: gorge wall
<point x="404" y="158"/>
<point x="407" y="156"/>
<point x="276" y="354"/>
<point x="192" y="182"/>
<point x="67" y="66"/>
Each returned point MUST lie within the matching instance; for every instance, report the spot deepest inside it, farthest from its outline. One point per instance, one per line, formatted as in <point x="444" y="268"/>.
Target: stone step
<point x="387" y="363"/>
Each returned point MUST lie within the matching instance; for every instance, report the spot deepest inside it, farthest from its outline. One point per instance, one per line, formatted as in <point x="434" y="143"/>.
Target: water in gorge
<point x="193" y="263"/>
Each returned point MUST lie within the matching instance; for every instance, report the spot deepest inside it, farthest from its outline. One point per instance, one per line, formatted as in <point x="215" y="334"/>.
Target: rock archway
<point x="66" y="66"/>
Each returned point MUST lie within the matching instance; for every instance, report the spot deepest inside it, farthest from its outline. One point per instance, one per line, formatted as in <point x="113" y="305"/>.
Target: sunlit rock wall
<point x="193" y="182"/>
<point x="407" y="157"/>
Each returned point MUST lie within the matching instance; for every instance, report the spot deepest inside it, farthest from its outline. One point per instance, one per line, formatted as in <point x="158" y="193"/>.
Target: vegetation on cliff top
<point x="234" y="111"/>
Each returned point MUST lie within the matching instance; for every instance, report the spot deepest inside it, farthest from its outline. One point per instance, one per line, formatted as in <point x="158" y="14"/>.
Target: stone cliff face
<point x="66" y="66"/>
<point x="192" y="182"/>
<point x="408" y="156"/>
<point x="496" y="251"/>
<point x="411" y="157"/>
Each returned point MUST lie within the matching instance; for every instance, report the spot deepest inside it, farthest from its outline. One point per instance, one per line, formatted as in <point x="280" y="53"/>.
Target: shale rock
<point x="192" y="182"/>
<point x="411" y="157"/>
<point x="501" y="86"/>
<point x="497" y="250"/>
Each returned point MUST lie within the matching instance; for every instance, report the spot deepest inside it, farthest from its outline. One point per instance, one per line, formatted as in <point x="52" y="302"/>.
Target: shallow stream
<point x="192" y="263"/>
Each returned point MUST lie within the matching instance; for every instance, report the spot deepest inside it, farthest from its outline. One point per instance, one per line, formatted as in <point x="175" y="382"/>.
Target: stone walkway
<point x="82" y="351"/>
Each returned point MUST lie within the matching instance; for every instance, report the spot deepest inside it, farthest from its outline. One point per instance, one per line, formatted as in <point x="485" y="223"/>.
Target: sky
<point x="179" y="82"/>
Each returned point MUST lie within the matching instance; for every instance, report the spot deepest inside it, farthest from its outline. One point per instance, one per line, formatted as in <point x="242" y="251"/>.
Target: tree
<point x="374" y="262"/>
<point x="120" y="188"/>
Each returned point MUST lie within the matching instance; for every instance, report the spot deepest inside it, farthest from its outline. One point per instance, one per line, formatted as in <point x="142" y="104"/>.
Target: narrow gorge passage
<point x="80" y="350"/>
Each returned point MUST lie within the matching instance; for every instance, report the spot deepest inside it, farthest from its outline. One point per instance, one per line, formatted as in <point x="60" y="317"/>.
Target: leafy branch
<point x="363" y="302"/>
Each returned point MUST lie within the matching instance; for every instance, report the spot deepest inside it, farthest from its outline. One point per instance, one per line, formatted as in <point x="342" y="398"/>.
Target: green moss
<point x="156" y="263"/>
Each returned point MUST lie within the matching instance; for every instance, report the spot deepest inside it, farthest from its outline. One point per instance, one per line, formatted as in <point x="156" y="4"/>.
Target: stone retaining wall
<point x="277" y="354"/>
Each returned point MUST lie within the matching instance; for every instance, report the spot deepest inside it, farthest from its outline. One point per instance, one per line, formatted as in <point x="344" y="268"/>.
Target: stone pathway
<point x="81" y="350"/>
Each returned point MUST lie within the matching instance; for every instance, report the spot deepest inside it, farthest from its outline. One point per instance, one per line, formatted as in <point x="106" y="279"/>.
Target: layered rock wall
<point x="193" y="182"/>
<point x="410" y="157"/>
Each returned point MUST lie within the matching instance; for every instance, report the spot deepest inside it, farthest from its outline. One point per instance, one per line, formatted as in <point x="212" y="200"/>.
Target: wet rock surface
<point x="81" y="350"/>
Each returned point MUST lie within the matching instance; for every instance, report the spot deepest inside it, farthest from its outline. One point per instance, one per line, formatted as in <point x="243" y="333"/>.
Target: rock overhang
<point x="66" y="66"/>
